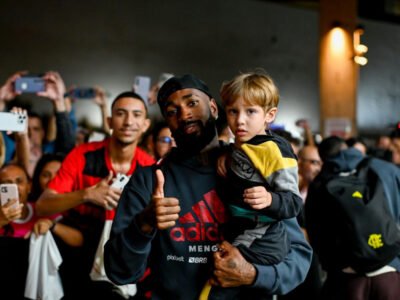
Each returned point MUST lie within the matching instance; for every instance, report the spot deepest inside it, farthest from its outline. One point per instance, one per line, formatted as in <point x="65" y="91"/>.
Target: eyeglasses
<point x="314" y="162"/>
<point x="164" y="139"/>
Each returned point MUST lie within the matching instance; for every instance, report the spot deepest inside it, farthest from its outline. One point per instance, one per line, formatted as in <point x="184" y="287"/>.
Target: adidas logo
<point x="202" y="222"/>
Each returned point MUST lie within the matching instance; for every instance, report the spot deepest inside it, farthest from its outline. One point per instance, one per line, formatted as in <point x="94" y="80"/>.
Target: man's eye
<point x="171" y="112"/>
<point x="193" y="103"/>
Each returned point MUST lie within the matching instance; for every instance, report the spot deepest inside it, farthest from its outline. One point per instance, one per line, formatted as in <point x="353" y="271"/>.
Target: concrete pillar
<point x="338" y="72"/>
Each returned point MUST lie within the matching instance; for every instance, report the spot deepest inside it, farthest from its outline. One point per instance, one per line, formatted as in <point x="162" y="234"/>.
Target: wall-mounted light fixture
<point x="359" y="48"/>
<point x="336" y="40"/>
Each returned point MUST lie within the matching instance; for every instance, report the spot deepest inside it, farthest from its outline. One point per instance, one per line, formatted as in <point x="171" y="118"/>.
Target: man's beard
<point x="193" y="143"/>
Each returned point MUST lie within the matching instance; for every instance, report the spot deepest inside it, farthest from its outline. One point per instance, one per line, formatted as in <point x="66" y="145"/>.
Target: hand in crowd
<point x="55" y="90"/>
<point x="257" y="197"/>
<point x="103" y="194"/>
<point x="303" y="123"/>
<point x="230" y="267"/>
<point x="101" y="100"/>
<point x="7" y="91"/>
<point x="100" y="97"/>
<point x="42" y="226"/>
<point x="162" y="212"/>
<point x="9" y="212"/>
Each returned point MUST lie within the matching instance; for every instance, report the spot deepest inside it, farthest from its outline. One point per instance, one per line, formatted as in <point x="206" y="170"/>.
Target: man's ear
<point x="146" y="125"/>
<point x="270" y="115"/>
<point x="214" y="108"/>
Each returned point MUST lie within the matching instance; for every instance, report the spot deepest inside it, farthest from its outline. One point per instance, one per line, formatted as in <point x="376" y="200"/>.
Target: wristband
<point x="52" y="226"/>
<point x="55" y="221"/>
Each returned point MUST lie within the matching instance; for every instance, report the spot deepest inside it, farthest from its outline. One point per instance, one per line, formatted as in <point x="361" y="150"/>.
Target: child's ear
<point x="271" y="114"/>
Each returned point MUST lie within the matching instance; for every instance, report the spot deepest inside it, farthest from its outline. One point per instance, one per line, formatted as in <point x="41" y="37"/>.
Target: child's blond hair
<point x="256" y="88"/>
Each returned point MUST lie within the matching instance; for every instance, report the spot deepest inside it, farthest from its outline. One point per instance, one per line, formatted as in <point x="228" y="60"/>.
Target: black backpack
<point x="367" y="234"/>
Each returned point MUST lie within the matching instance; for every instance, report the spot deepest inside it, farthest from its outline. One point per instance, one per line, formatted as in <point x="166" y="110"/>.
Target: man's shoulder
<point x="86" y="147"/>
<point x="386" y="171"/>
<point x="143" y="157"/>
<point x="378" y="163"/>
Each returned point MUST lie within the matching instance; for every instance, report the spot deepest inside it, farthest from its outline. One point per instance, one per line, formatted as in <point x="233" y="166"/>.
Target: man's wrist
<point x="143" y="223"/>
<point x="53" y="225"/>
<point x="86" y="194"/>
<point x="249" y="274"/>
<point x="59" y="105"/>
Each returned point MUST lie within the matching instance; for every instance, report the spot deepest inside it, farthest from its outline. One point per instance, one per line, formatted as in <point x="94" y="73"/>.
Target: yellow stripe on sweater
<point x="267" y="158"/>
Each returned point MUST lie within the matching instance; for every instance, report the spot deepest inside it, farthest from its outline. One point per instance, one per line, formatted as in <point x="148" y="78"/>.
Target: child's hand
<point x="221" y="165"/>
<point x="257" y="197"/>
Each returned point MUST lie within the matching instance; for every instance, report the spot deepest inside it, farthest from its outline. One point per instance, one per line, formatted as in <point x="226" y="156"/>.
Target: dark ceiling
<point x="379" y="10"/>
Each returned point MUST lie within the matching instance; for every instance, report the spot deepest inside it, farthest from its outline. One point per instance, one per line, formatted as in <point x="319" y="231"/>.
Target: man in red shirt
<point x="82" y="186"/>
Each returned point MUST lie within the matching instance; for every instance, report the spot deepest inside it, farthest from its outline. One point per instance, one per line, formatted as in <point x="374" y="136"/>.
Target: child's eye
<point x="251" y="111"/>
<point x="232" y="111"/>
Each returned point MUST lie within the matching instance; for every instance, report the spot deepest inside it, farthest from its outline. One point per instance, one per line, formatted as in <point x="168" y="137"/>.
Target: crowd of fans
<point x="32" y="159"/>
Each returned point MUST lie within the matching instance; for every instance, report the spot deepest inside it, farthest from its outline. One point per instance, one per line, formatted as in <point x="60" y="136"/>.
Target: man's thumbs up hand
<point x="159" y="186"/>
<point x="162" y="212"/>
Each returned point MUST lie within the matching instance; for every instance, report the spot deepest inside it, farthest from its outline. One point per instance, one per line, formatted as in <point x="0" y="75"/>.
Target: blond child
<point x="260" y="171"/>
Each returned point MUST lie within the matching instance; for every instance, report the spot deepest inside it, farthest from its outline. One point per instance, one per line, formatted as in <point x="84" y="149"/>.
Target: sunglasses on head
<point x="164" y="139"/>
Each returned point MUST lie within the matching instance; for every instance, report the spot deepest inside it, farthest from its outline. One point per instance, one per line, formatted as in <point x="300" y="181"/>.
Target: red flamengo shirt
<point x="85" y="166"/>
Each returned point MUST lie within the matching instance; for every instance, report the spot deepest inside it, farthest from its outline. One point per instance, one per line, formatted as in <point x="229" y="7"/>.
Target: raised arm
<point x="101" y="100"/>
<point x="7" y="91"/>
<point x="64" y="134"/>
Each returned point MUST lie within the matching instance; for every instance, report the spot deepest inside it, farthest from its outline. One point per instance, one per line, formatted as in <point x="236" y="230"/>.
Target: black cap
<point x="174" y="84"/>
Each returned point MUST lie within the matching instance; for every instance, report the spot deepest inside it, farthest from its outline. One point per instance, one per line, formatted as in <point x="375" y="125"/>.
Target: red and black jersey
<point x="83" y="167"/>
<point x="88" y="164"/>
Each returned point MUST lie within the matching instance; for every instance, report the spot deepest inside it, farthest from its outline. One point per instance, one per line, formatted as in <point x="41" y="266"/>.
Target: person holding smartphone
<point x="63" y="141"/>
<point x="82" y="187"/>
<point x="18" y="220"/>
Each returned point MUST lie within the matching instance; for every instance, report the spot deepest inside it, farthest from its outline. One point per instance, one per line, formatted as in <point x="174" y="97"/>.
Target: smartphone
<point x="141" y="86"/>
<point x="120" y="181"/>
<point x="29" y="84"/>
<point x="9" y="191"/>
<point x="82" y="93"/>
<point x="13" y="122"/>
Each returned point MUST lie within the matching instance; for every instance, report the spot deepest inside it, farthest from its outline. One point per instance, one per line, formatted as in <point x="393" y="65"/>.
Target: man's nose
<point x="186" y="113"/>
<point x="128" y="120"/>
